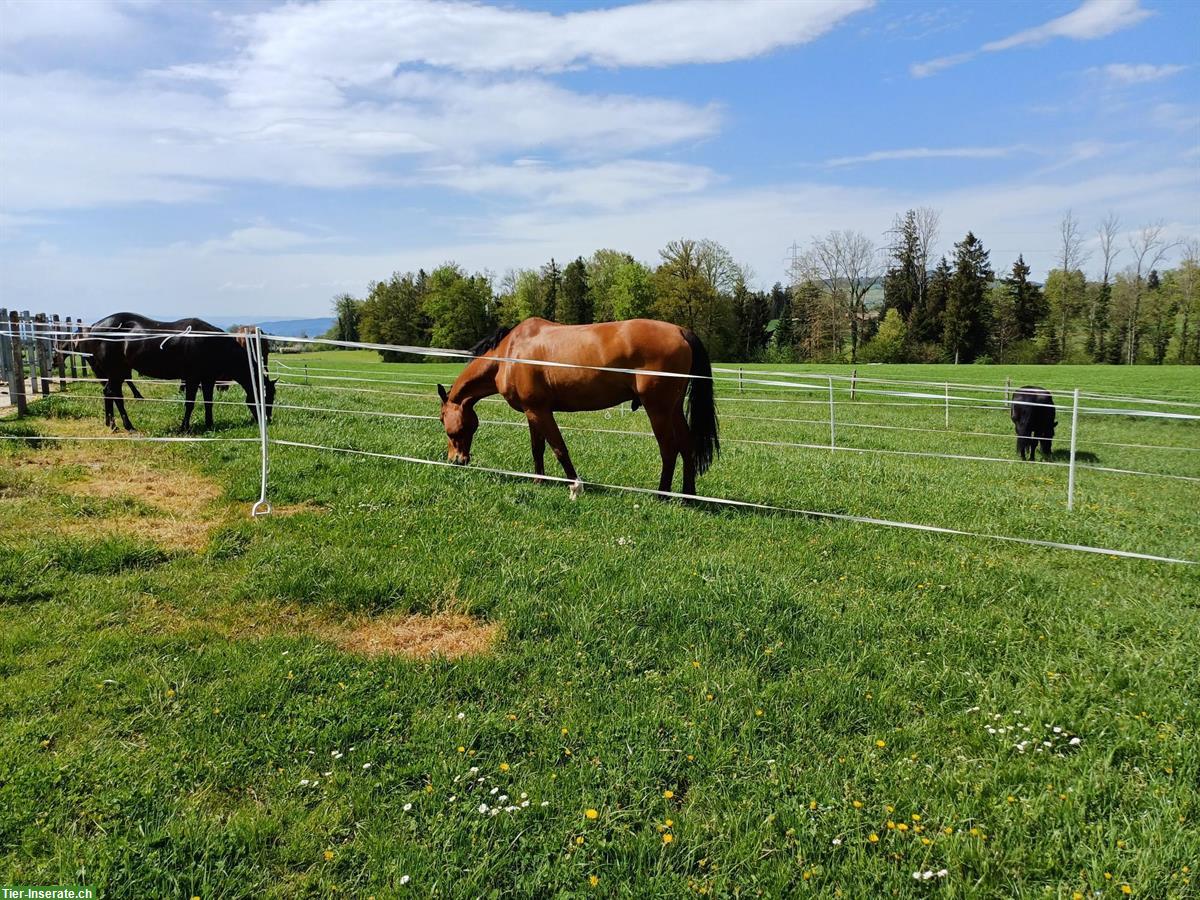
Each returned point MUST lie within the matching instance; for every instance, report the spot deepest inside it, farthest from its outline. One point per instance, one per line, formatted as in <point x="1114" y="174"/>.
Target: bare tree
<point x="1188" y="276"/>
<point x="1107" y="233"/>
<point x="1149" y="249"/>
<point x="929" y="223"/>
<point x="1071" y="258"/>
<point x="1100" y="307"/>
<point x="848" y="265"/>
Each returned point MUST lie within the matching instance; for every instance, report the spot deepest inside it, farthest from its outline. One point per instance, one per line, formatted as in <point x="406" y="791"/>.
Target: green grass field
<point x="677" y="700"/>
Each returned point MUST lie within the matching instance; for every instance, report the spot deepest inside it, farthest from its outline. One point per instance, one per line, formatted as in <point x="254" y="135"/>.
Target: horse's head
<point x="460" y="422"/>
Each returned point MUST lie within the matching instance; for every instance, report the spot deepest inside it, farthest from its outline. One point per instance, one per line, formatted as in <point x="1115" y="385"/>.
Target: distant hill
<point x="286" y="327"/>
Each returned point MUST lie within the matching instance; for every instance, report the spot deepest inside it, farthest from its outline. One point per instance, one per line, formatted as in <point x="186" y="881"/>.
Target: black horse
<point x="124" y="342"/>
<point x="1033" y="415"/>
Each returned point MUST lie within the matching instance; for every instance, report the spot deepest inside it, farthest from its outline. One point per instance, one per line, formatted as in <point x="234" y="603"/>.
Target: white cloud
<point x="608" y="186"/>
<point x="84" y="22"/>
<point x="1092" y="19"/>
<point x="168" y="142"/>
<point x="927" y="153"/>
<point x="478" y="37"/>
<point x="1126" y="73"/>
<point x="1010" y="217"/>
<point x="259" y="238"/>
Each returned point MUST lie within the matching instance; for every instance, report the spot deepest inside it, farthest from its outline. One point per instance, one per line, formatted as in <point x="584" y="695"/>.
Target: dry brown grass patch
<point x="177" y="508"/>
<point x="445" y="634"/>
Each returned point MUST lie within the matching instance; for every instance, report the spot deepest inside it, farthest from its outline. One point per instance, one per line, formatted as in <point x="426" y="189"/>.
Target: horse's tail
<point x="701" y="406"/>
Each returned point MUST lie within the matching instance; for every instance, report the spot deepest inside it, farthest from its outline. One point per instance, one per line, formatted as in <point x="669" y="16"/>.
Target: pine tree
<point x="574" y="306"/>
<point x="926" y="325"/>
<point x="967" y="318"/>
<point x="551" y="283"/>
<point x="903" y="281"/>
<point x="1029" y="304"/>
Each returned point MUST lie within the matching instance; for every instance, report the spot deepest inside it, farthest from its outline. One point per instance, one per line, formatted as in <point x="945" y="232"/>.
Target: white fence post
<point x="263" y="506"/>
<point x="832" y="440"/>
<point x="947" y="404"/>
<point x="1071" y="466"/>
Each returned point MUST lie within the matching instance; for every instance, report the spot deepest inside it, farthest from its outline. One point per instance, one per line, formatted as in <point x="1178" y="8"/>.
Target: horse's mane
<point x="491" y="342"/>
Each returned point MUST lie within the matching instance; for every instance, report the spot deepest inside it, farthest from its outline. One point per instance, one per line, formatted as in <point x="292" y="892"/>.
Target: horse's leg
<point x="113" y="390"/>
<point x="208" y="400"/>
<point x="543" y="420"/>
<point x="188" y="404"/>
<point x="537" y="443"/>
<point x="683" y="441"/>
<point x="663" y="425"/>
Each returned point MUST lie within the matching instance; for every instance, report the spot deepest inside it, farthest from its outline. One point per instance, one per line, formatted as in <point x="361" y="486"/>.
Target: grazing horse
<point x="1033" y="415"/>
<point x="124" y="342"/>
<point x="658" y="350"/>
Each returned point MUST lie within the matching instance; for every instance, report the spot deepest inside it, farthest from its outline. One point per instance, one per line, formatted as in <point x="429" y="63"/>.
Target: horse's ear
<point x="442" y="393"/>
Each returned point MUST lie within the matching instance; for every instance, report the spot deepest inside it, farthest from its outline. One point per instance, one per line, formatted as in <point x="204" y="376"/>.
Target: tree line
<point x="846" y="300"/>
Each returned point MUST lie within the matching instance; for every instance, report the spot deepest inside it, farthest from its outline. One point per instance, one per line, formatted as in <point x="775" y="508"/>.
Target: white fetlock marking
<point x="576" y="489"/>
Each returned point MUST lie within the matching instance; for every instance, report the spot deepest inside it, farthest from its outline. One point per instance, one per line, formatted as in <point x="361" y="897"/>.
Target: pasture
<point x="626" y="697"/>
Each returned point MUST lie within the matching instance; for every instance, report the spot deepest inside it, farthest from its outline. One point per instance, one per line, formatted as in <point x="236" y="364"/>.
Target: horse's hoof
<point x="576" y="489"/>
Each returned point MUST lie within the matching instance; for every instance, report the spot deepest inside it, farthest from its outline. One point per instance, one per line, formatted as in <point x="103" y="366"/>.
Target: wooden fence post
<point x="39" y="345"/>
<point x="853" y="380"/>
<point x="59" y="360"/>
<point x="16" y="387"/>
<point x="70" y="329"/>
<point x="84" y="362"/>
<point x="6" y="374"/>
<point x="27" y="347"/>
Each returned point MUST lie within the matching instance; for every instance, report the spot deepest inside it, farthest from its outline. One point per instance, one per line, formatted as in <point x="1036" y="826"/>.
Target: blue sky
<point x="254" y="159"/>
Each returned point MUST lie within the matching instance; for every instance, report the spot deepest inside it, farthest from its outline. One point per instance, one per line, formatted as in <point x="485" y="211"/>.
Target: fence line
<point x="746" y="504"/>
<point x="399" y="415"/>
<point x="448" y="353"/>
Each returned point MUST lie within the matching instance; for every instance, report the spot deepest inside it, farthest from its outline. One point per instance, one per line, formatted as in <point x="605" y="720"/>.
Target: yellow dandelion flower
<point x="579" y="841"/>
<point x="708" y="697"/>
<point x="511" y="717"/>
<point x="948" y="830"/>
<point x="667" y="838"/>
<point x="903" y="826"/>
<point x="593" y="880"/>
<point x="812" y="804"/>
<point x="758" y="712"/>
<point x="916" y="817"/>
<point x="462" y="749"/>
<point x="564" y="732"/>
<point x="975" y="832"/>
<point x="1012" y="799"/>
<point x="669" y="823"/>
<point x="881" y="744"/>
<point x="926" y="841"/>
<point x="857" y="804"/>
<point x="591" y="814"/>
<point x="807" y="875"/>
<point x="891" y="825"/>
<point x="873" y="838"/>
<point x="328" y="854"/>
<point x="1126" y="889"/>
<point x="668" y="794"/>
<point x="504" y="767"/>
<point x="890" y="808"/>
<point x="1077" y="896"/>
<point x="1108" y="876"/>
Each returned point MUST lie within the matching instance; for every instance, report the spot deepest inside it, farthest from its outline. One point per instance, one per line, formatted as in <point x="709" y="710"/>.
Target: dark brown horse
<point x="539" y="391"/>
<point x="124" y="342"/>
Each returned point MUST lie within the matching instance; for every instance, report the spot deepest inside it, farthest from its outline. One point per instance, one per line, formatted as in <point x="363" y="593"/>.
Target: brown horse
<point x="539" y="391"/>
